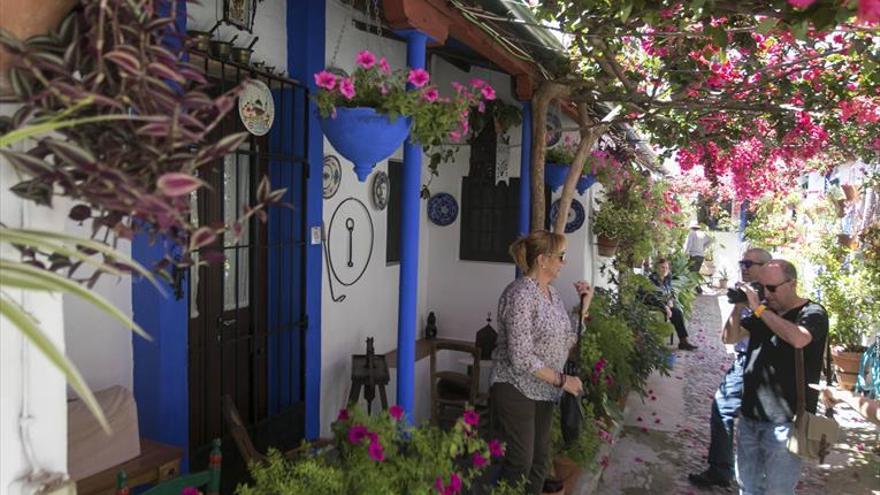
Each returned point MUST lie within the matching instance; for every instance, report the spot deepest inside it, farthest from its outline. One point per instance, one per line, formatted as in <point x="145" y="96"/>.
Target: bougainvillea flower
<point x="365" y="59"/>
<point x="326" y="80"/>
<point x="346" y="87"/>
<point x="418" y="77"/>
<point x="396" y="412"/>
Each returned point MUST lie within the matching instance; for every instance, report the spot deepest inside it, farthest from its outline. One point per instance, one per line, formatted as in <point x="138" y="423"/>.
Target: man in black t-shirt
<point x="777" y="326"/>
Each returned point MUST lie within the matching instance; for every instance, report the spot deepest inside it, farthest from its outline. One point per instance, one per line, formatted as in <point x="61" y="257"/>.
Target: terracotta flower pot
<point x="607" y="247"/>
<point x="847" y="367"/>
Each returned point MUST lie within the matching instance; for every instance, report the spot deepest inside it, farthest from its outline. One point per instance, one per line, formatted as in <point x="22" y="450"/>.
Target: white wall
<point x="270" y="24"/>
<point x="96" y="342"/>
<point x="28" y="382"/>
<point x="459" y="292"/>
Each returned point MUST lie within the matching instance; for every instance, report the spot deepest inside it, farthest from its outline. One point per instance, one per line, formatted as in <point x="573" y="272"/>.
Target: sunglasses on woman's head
<point x="749" y="263"/>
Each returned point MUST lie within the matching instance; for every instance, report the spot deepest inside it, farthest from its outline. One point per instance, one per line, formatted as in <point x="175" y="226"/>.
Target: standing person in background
<point x="785" y="321"/>
<point x="695" y="248"/>
<point x="535" y="336"/>
<point x="665" y="300"/>
<point x="728" y="397"/>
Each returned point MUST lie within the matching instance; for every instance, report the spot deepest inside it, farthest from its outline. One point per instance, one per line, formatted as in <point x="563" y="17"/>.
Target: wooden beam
<point x="439" y="21"/>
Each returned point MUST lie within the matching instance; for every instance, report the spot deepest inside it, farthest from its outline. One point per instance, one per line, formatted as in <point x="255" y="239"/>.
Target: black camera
<point x="737" y="295"/>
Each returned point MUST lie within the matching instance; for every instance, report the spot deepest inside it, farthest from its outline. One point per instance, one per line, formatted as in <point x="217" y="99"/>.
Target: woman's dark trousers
<point x="523" y="425"/>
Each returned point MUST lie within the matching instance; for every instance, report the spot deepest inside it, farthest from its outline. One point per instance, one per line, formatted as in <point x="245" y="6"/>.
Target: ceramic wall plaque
<point x="256" y="107"/>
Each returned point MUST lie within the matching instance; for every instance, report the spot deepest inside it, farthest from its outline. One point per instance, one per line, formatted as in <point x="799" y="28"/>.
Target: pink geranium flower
<point x="418" y="77"/>
<point x="478" y="460"/>
<point x="801" y="4"/>
<point x="377" y="453"/>
<point x="488" y="92"/>
<point x="326" y="80"/>
<point x="383" y="64"/>
<point x="365" y="59"/>
<point x="477" y="83"/>
<point x="396" y="412"/>
<point x="496" y="449"/>
<point x="357" y="433"/>
<point x="471" y="417"/>
<point x="431" y="95"/>
<point x="346" y="87"/>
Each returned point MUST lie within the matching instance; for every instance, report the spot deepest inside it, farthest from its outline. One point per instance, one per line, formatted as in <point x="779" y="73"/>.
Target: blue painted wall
<point x="306" y="26"/>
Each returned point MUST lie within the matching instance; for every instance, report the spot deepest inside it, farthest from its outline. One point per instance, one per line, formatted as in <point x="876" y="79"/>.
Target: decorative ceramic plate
<point x="381" y="190"/>
<point x="442" y="209"/>
<point x="332" y="175"/>
<point x="554" y="130"/>
<point x="576" y="215"/>
<point x="256" y="107"/>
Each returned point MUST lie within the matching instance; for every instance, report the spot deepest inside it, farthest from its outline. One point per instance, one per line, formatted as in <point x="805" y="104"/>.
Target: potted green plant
<point x="366" y="116"/>
<point x="722" y="278"/>
<point x="382" y="454"/>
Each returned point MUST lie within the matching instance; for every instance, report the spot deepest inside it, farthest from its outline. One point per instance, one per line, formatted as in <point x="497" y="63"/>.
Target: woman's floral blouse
<point x="534" y="332"/>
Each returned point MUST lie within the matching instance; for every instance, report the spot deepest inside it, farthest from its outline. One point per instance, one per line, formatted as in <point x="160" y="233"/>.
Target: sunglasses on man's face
<point x="749" y="263"/>
<point x="772" y="288"/>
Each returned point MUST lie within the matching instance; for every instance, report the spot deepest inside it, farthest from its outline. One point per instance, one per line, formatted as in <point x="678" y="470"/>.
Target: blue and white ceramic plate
<point x="576" y="215"/>
<point x="332" y="172"/>
<point x="381" y="190"/>
<point x="442" y="209"/>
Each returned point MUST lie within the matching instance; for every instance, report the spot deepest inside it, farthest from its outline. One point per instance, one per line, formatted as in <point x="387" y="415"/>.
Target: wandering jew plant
<point x="143" y="126"/>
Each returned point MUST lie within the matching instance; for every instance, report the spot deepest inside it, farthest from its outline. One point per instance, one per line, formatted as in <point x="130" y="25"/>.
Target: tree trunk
<point x="589" y="135"/>
<point x="546" y="93"/>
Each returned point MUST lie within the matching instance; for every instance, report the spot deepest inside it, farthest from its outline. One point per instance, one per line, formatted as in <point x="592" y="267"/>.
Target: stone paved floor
<point x="666" y="436"/>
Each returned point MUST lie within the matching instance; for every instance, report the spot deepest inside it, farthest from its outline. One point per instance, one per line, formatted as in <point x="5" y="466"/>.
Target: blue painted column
<point x="416" y="42"/>
<point x="525" y="169"/>
<point x="525" y="173"/>
<point x="306" y="30"/>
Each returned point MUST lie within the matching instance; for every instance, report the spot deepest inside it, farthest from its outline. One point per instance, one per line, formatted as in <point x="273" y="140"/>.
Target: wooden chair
<point x="453" y="391"/>
<point x="208" y="481"/>
<point x="245" y="445"/>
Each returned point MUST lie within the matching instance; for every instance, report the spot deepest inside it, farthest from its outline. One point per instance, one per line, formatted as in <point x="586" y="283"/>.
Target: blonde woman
<point x="535" y="336"/>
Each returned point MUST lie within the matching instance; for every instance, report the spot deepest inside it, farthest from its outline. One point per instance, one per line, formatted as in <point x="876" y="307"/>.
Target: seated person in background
<point x="664" y="299"/>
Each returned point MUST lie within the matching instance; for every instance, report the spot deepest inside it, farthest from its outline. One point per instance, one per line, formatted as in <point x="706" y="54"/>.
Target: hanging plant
<point x="366" y="116"/>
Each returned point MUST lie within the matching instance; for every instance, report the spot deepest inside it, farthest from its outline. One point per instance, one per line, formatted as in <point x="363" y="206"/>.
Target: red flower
<point x="343" y="415"/>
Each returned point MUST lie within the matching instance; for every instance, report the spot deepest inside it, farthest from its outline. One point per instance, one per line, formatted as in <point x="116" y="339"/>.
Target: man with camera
<point x="728" y="397"/>
<point x="781" y="321"/>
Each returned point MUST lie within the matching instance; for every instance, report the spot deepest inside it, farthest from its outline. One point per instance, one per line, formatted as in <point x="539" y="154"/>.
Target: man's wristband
<point x="759" y="310"/>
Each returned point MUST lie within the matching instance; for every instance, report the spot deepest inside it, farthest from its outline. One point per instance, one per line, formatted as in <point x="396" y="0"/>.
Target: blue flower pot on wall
<point x="364" y="136"/>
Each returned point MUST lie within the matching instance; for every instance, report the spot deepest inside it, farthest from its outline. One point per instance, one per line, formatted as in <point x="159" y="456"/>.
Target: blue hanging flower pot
<point x="585" y="182"/>
<point x="554" y="174"/>
<point x="364" y="136"/>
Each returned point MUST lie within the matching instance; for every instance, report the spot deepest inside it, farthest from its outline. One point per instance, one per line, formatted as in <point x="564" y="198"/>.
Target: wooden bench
<point x="157" y="462"/>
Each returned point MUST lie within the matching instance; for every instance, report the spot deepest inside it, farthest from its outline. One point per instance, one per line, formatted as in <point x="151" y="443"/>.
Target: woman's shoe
<point x="686" y="346"/>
